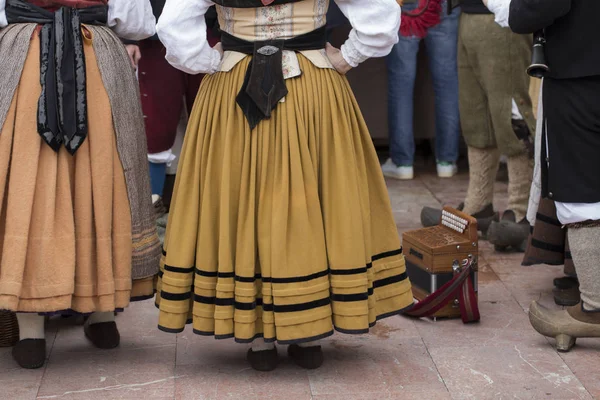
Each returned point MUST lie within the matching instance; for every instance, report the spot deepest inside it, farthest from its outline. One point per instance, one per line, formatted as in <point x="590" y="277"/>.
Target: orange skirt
<point x="65" y="223"/>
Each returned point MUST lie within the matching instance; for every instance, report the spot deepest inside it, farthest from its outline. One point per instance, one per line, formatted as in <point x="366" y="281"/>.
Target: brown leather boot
<point x="306" y="357"/>
<point x="564" y="325"/>
<point x="264" y="361"/>
<point x="30" y="353"/>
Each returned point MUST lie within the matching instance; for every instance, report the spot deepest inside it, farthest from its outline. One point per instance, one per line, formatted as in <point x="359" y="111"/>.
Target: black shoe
<point x="509" y="215"/>
<point x="432" y="216"/>
<point x="509" y="234"/>
<point x="306" y="357"/>
<point x="264" y="361"/>
<point x="30" y="353"/>
<point x="566" y="282"/>
<point x="103" y="335"/>
<point x="567" y="297"/>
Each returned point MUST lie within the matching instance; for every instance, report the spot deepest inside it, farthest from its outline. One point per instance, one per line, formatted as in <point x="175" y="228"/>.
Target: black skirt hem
<point x="294" y="341"/>
<point x="170" y="330"/>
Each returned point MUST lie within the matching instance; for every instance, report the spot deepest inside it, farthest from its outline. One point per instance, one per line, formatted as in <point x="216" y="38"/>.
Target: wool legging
<point x="585" y="248"/>
<point x="483" y="166"/>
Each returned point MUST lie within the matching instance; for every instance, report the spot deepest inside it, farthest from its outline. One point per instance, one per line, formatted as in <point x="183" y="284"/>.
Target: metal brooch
<point x="267" y="50"/>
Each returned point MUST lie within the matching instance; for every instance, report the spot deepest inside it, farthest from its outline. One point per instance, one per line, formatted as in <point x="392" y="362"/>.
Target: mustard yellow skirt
<point x="65" y="223"/>
<point x="284" y="232"/>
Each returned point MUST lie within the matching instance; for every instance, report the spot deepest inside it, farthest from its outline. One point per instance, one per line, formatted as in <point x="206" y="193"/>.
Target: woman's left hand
<point x="336" y="59"/>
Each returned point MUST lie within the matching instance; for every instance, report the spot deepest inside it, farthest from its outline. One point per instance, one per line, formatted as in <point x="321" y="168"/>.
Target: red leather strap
<point x="461" y="285"/>
<point x="469" y="309"/>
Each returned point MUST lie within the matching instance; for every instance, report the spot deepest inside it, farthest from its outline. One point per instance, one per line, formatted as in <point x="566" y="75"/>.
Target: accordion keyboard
<point x="454" y="222"/>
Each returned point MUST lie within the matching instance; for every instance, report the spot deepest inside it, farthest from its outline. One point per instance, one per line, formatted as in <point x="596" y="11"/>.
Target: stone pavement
<point x="500" y="358"/>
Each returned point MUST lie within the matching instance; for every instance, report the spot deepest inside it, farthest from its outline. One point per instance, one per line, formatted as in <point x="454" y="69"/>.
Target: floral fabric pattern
<point x="274" y="22"/>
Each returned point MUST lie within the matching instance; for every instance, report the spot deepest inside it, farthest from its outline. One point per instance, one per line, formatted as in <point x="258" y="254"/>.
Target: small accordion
<point x="435" y="257"/>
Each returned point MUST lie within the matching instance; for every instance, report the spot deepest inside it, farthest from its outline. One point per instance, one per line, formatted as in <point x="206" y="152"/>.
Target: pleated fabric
<point x="65" y="221"/>
<point x="284" y="232"/>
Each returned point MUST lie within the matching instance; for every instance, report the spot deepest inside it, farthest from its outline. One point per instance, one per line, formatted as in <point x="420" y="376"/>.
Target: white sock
<point x="310" y="344"/>
<point x="31" y="326"/>
<point x="155" y="198"/>
<point x="99" y="317"/>
<point x="259" y="344"/>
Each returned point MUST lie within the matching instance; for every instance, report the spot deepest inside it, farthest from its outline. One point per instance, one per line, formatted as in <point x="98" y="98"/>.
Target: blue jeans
<point x="158" y="176"/>
<point x="441" y="44"/>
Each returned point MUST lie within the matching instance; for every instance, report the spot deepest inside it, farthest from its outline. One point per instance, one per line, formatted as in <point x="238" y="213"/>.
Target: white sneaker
<point x="391" y="170"/>
<point x="446" y="169"/>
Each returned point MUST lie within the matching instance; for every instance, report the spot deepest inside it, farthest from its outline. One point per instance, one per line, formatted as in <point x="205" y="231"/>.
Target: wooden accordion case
<point x="434" y="255"/>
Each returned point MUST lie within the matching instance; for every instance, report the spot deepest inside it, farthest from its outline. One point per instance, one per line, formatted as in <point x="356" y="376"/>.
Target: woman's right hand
<point x="336" y="59"/>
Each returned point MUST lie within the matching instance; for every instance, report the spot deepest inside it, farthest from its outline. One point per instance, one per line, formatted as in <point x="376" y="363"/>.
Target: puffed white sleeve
<point x="3" y="21"/>
<point x="375" y="27"/>
<point x="131" y="19"/>
<point x="182" y="30"/>
<point x="500" y="9"/>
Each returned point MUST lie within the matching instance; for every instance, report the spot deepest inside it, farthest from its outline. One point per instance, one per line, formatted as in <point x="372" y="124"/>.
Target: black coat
<point x="571" y="135"/>
<point x="572" y="29"/>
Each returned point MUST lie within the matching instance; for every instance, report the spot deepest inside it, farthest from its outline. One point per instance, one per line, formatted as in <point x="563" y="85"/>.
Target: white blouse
<point x="129" y="19"/>
<point x="500" y="9"/>
<point x="182" y="29"/>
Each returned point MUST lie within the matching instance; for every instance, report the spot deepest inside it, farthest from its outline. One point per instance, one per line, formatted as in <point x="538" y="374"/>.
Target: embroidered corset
<point x="280" y="21"/>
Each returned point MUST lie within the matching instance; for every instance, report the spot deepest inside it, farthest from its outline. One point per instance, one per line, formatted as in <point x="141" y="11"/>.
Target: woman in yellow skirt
<point x="281" y="228"/>
<point x="76" y="222"/>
